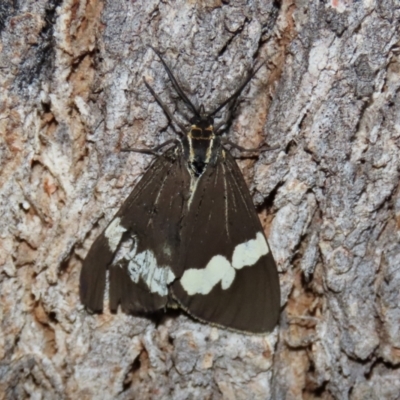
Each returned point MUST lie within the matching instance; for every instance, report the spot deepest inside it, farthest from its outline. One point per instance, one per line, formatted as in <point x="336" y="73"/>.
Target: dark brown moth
<point x="188" y="235"/>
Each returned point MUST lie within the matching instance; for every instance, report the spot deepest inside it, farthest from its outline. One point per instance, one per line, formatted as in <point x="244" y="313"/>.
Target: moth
<point x="188" y="235"/>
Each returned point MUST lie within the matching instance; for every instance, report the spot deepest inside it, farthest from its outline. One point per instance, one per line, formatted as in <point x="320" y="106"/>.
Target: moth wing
<point x="147" y="224"/>
<point x="228" y="275"/>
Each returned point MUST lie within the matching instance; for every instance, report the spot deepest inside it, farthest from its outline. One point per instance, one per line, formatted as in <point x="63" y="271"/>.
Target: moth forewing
<point x="232" y="279"/>
<point x="148" y="219"/>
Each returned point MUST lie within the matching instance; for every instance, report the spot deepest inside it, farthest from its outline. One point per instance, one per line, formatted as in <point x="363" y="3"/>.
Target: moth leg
<point x="153" y="151"/>
<point x="228" y="117"/>
<point x="165" y="109"/>
<point x="240" y="148"/>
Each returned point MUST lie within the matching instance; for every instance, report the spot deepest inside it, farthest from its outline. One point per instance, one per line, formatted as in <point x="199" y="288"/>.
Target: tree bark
<point x="72" y="96"/>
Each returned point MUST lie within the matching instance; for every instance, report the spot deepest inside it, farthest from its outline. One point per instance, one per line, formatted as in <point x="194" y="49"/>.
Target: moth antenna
<point x="236" y="94"/>
<point x="165" y="108"/>
<point x="175" y="84"/>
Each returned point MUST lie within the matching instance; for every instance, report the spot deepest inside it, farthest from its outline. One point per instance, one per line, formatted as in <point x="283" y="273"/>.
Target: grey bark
<point x="72" y="96"/>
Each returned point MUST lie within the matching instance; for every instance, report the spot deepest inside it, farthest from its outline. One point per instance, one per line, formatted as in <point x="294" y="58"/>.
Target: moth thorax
<point x="201" y="133"/>
<point x="201" y="141"/>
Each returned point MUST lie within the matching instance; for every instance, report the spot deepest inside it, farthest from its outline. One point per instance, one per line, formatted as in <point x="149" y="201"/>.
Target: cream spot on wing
<point x="248" y="253"/>
<point x="144" y="265"/>
<point x="202" y="281"/>
<point x="219" y="269"/>
<point x="114" y="233"/>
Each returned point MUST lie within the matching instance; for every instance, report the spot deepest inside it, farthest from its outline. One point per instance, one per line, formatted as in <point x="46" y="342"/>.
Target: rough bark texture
<point x="72" y="96"/>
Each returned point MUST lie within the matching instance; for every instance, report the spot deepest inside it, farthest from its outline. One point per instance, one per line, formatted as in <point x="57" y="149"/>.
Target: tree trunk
<point x="72" y="97"/>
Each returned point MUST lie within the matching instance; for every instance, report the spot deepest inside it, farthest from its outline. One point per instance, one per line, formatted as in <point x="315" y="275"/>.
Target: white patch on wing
<point x="219" y="269"/>
<point x="114" y="233"/>
<point x="125" y="249"/>
<point x="144" y="265"/>
<point x="248" y="253"/>
<point x="203" y="280"/>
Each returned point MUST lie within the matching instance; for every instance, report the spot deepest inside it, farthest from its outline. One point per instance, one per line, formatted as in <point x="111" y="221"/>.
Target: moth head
<point x="202" y="120"/>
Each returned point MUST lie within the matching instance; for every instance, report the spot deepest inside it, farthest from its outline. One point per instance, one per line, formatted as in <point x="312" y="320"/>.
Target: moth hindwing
<point x="188" y="235"/>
